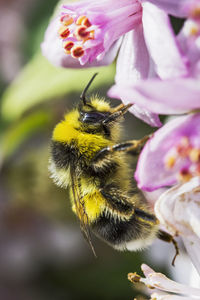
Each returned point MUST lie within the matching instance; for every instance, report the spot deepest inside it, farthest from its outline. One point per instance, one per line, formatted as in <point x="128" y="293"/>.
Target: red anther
<point x="82" y="33"/>
<point x="64" y="32"/>
<point x="77" y="51"/>
<point x="184" y="171"/>
<point x="185" y="175"/>
<point x="80" y="20"/>
<point x="66" y="20"/>
<point x="86" y="22"/>
<point x="68" y="46"/>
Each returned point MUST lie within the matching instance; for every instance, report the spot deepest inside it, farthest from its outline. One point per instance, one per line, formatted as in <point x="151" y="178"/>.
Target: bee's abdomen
<point x="117" y="231"/>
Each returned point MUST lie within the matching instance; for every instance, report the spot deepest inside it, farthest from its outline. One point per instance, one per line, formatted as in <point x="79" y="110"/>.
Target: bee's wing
<point x="79" y="206"/>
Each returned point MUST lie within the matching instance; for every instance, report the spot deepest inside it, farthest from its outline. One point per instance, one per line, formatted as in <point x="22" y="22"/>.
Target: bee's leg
<point x="166" y="237"/>
<point x="117" y="113"/>
<point x="134" y="147"/>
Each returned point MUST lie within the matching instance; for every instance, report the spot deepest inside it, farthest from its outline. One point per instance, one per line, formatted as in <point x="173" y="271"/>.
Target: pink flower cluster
<point x="159" y="73"/>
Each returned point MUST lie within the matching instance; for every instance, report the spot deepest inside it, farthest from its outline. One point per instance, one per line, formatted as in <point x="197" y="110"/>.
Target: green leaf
<point x="16" y="134"/>
<point x="39" y="81"/>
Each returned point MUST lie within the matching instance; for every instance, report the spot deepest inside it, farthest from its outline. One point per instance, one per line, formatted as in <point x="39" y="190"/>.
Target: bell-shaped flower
<point x="171" y="95"/>
<point x="86" y="31"/>
<point x="172" y="155"/>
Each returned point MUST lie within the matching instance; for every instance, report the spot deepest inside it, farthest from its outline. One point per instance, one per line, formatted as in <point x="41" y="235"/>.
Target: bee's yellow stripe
<point x="94" y="204"/>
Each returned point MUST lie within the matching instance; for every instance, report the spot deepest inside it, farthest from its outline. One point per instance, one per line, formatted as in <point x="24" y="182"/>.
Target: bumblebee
<point x="87" y="157"/>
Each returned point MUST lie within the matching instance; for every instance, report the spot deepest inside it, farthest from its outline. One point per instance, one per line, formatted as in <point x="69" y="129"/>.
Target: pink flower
<point x="86" y="30"/>
<point x="170" y="95"/>
<point x="90" y="33"/>
<point x="172" y="155"/>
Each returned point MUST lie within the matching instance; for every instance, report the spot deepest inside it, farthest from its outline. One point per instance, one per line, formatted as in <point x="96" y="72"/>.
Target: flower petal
<point x="162" y="97"/>
<point x="192" y="245"/>
<point x="172" y="7"/>
<point x="141" y="113"/>
<point x="133" y="58"/>
<point x="161" y="43"/>
<point x="162" y="296"/>
<point x="133" y="65"/>
<point x="144" y="115"/>
<point x="161" y="282"/>
<point x="151" y="172"/>
<point x="178" y="209"/>
<point x="188" y="39"/>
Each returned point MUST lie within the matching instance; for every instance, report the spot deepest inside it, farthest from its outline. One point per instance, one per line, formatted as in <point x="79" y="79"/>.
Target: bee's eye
<point x="93" y="116"/>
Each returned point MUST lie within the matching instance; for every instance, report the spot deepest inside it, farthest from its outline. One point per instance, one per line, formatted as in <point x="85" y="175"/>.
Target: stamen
<point x="86" y="22"/>
<point x="184" y="147"/>
<point x="195" y="13"/>
<point x="66" y="20"/>
<point x="186" y="154"/>
<point x="195" y="155"/>
<point x="91" y="34"/>
<point x="81" y="33"/>
<point x="134" y="277"/>
<point x="80" y="20"/>
<point x="68" y="46"/>
<point x="77" y="51"/>
<point x="170" y="162"/>
<point x="184" y="175"/>
<point x="194" y="30"/>
<point x="64" y="32"/>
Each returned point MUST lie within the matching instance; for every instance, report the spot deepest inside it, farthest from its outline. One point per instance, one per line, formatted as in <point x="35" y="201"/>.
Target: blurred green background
<point x="42" y="252"/>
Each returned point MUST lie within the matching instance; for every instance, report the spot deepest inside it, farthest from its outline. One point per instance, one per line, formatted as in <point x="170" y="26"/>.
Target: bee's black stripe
<point x="144" y="215"/>
<point x="63" y="154"/>
<point x="117" y="231"/>
<point x="103" y="171"/>
<point x="116" y="200"/>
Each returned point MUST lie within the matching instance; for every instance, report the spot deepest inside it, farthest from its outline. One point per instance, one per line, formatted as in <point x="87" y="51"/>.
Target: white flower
<point x="162" y="284"/>
<point x="178" y="209"/>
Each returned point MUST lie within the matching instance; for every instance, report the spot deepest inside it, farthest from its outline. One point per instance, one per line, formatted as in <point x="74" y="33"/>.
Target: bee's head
<point x="94" y="112"/>
<point x="94" y="115"/>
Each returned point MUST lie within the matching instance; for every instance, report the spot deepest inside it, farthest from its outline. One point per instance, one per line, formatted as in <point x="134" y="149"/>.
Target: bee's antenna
<point x="83" y="94"/>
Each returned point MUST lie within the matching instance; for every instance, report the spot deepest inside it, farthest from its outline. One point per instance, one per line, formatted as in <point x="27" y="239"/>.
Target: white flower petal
<point x="192" y="245"/>
<point x="161" y="282"/>
<point x="178" y="209"/>
<point x="162" y="296"/>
